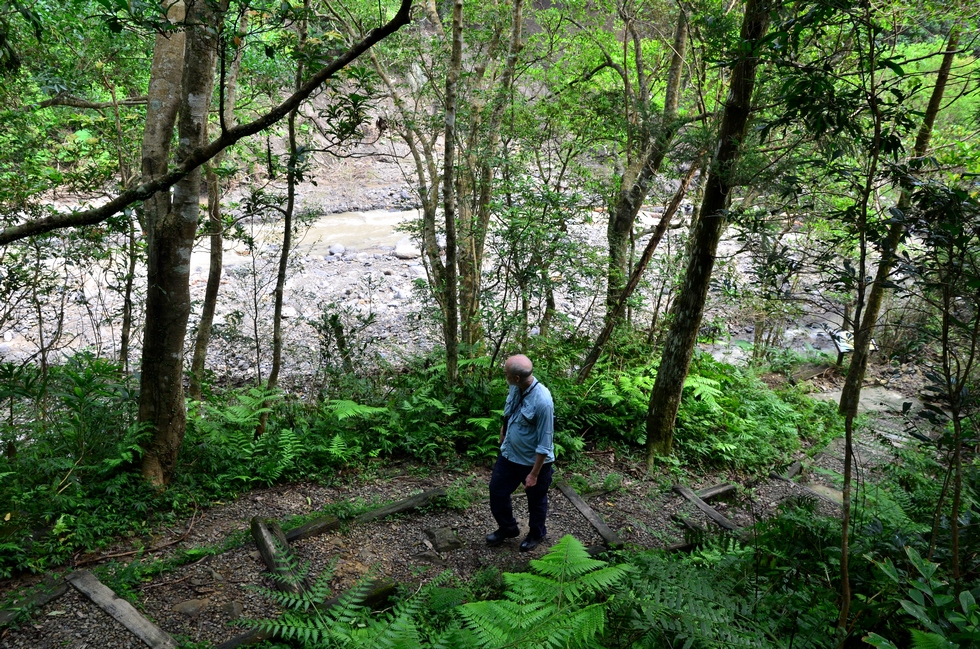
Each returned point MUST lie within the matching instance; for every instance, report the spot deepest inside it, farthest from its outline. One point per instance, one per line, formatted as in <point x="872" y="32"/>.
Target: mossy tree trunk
<point x="689" y="307"/>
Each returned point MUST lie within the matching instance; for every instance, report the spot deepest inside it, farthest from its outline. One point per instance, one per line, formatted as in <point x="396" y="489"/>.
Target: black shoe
<point x="530" y="543"/>
<point x="499" y="536"/>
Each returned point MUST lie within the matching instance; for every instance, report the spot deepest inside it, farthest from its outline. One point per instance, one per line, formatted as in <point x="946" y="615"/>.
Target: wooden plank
<point x="315" y="527"/>
<point x="717" y="491"/>
<point x="123" y="612"/>
<point x="414" y="502"/>
<point x="611" y="538"/>
<point x="705" y="507"/>
<point x="47" y="591"/>
<point x="277" y="555"/>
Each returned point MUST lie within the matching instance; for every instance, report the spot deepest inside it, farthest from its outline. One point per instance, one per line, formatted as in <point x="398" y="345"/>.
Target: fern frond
<point x="926" y="640"/>
<point x="344" y="409"/>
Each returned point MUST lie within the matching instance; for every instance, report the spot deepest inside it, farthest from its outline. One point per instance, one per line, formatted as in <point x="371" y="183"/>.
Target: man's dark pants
<point x="507" y="476"/>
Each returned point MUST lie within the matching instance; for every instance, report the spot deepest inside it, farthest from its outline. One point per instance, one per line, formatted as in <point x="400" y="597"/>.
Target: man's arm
<point x="532" y="477"/>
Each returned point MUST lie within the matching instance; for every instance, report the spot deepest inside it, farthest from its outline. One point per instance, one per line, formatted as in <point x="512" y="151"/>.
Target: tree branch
<point x="202" y="155"/>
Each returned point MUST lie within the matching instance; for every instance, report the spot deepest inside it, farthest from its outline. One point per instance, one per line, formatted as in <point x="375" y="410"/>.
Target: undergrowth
<point x="70" y="474"/>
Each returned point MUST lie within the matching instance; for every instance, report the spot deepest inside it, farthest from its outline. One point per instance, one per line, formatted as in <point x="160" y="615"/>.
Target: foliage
<point x="946" y="619"/>
<point x="562" y="602"/>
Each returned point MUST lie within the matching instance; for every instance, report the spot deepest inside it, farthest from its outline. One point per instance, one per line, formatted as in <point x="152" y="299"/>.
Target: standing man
<point x="527" y="452"/>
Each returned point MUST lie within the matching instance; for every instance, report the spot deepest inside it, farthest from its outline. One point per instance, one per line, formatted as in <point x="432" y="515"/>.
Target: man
<point x="527" y="452"/>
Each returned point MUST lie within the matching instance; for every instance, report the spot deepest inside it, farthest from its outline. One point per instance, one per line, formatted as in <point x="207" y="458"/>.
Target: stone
<point x="336" y="249"/>
<point x="406" y="249"/>
<point x="289" y="312"/>
<point x="233" y="609"/>
<point x="443" y="539"/>
<point x="192" y="607"/>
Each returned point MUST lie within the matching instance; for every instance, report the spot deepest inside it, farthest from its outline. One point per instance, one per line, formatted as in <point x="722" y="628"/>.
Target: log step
<point x="705" y="507"/>
<point x="87" y="584"/>
<point x="611" y="539"/>
<point x="414" y="502"/>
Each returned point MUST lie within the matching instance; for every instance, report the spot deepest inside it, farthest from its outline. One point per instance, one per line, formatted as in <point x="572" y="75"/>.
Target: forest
<point x="713" y="225"/>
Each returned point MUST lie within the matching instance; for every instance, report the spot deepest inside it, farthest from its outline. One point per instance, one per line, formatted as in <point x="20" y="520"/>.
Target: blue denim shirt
<point x="530" y="427"/>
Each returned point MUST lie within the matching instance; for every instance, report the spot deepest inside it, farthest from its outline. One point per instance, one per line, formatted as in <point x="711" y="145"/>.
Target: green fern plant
<point x="705" y="389"/>
<point x="549" y="607"/>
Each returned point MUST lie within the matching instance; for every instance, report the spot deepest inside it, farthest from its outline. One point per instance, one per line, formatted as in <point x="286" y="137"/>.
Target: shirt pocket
<point x="527" y="414"/>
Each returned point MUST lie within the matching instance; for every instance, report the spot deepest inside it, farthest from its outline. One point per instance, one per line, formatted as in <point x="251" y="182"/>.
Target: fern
<point x="705" y="389"/>
<point x="344" y="409"/>
<point x="547" y="607"/>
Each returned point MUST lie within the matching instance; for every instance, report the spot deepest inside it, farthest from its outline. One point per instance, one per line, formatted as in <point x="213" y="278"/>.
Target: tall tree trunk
<point x="216" y="262"/>
<point x="863" y="332"/>
<point x="639" y="176"/>
<point x="689" y="308"/>
<point x="292" y="177"/>
<point x="474" y="188"/>
<point x="451" y="320"/>
<point x="614" y="316"/>
<point x="168" y="273"/>
<point x="866" y="314"/>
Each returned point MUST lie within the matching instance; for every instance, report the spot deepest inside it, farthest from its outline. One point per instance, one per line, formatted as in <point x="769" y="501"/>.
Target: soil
<point x="201" y="601"/>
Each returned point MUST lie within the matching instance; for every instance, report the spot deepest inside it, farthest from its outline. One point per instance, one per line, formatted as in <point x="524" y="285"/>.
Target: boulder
<point x="406" y="249"/>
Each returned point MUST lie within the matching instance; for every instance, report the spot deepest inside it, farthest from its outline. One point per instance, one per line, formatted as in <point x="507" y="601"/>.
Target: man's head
<point x="518" y="369"/>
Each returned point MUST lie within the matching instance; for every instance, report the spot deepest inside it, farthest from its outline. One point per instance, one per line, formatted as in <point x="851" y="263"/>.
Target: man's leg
<point x="537" y="503"/>
<point x="504" y="481"/>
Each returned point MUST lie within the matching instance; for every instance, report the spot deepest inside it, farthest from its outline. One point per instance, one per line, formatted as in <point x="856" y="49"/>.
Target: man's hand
<point x="530" y="480"/>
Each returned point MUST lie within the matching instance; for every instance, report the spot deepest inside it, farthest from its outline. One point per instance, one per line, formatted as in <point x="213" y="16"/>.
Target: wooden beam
<point x="705" y="507"/>
<point x="414" y="502"/>
<point x="717" y="491"/>
<point x="277" y="555"/>
<point x="47" y="591"/>
<point x="315" y="527"/>
<point x="123" y="612"/>
<point x="611" y="538"/>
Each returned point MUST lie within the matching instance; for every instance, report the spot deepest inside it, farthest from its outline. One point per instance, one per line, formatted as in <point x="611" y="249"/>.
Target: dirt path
<point x="199" y="602"/>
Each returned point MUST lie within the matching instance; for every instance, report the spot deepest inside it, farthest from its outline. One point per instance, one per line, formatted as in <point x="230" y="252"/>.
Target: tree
<point x="181" y="76"/>
<point x="689" y="305"/>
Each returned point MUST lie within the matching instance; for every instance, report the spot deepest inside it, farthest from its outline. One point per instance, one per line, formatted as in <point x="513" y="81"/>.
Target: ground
<point x="200" y="601"/>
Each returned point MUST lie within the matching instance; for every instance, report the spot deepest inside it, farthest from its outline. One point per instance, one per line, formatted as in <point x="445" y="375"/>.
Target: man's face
<point x="512" y="379"/>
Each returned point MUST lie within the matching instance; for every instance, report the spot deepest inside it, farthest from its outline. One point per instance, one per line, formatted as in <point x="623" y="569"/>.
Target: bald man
<point x="527" y="452"/>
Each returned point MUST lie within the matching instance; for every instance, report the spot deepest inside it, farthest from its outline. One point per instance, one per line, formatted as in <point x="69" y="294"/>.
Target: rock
<point x="406" y="249"/>
<point x="418" y="271"/>
<point x="8" y="336"/>
<point x="233" y="609"/>
<point x="443" y="539"/>
<point x="337" y="249"/>
<point x="402" y="293"/>
<point x="289" y="312"/>
<point x="192" y="607"/>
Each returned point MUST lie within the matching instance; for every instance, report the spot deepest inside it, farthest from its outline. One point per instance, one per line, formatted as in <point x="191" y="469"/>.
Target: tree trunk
<point x="217" y="230"/>
<point x="292" y="177"/>
<point x="451" y="320"/>
<point x="639" y="176"/>
<point x="168" y="295"/>
<point x="863" y="332"/>
<point x="474" y="189"/>
<point x="689" y="308"/>
<point x="613" y="316"/>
